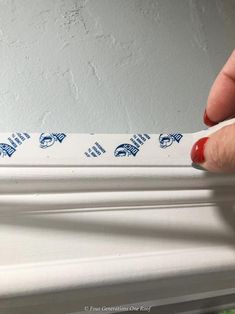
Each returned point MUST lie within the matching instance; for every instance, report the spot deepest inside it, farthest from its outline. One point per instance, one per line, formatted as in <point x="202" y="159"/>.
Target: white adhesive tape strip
<point x="60" y="149"/>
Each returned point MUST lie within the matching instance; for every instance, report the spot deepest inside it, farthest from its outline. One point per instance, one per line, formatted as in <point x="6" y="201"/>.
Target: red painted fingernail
<point x="208" y="121"/>
<point x="197" y="152"/>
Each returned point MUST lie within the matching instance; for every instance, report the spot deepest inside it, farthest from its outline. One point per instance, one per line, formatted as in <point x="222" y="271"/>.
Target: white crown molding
<point x="84" y="190"/>
<point x="94" y="188"/>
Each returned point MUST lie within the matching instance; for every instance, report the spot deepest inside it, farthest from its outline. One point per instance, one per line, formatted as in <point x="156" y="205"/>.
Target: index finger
<point x="221" y="100"/>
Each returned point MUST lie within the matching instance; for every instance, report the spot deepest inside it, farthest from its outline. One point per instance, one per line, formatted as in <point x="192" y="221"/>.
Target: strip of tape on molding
<point x="60" y="149"/>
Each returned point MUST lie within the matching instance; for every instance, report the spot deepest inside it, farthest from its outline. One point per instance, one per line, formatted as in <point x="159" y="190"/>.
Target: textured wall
<point x="110" y="65"/>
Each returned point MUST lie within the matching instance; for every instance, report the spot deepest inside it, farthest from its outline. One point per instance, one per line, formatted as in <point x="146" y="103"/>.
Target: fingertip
<point x="218" y="153"/>
<point x="207" y="120"/>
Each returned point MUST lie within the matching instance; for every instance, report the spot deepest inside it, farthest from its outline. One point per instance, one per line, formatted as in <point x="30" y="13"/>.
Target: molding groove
<point x="94" y="188"/>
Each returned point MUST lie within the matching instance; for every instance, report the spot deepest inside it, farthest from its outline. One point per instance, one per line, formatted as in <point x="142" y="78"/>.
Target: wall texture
<point x="110" y="65"/>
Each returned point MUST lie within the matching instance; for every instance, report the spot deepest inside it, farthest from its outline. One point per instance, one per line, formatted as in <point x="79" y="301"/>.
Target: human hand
<point x="216" y="153"/>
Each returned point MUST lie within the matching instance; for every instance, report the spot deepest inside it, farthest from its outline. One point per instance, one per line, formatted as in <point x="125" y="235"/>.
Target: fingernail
<point x="197" y="152"/>
<point x="208" y="121"/>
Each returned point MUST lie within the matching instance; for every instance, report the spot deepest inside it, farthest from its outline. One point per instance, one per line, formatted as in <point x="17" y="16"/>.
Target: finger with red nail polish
<point x="217" y="152"/>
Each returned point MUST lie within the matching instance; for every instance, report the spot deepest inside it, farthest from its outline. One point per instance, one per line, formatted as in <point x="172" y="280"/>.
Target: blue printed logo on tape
<point x="167" y="140"/>
<point x="126" y="150"/>
<point x="16" y="139"/>
<point x="95" y="151"/>
<point x="48" y="139"/>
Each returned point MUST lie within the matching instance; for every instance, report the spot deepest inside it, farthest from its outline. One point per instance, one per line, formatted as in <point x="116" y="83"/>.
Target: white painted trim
<point x="63" y="276"/>
<point x="99" y="188"/>
<point x="69" y="179"/>
<point x="50" y="189"/>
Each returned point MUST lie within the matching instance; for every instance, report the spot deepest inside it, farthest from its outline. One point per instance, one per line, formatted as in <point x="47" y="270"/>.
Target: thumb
<point x="216" y="153"/>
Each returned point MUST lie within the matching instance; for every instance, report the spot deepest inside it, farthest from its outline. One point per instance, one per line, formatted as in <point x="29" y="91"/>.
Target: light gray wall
<point x="110" y="65"/>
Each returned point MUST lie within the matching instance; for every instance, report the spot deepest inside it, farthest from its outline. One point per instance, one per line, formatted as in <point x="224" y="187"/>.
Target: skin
<point x="220" y="148"/>
<point x="221" y="100"/>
